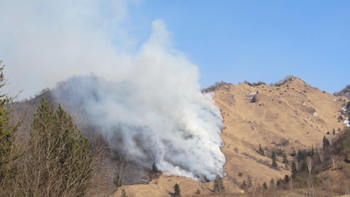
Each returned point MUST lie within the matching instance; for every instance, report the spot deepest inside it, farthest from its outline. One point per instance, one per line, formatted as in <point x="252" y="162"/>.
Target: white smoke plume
<point x="147" y="103"/>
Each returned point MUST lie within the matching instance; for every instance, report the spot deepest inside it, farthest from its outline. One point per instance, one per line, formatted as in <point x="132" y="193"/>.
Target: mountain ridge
<point x="281" y="118"/>
<point x="286" y="116"/>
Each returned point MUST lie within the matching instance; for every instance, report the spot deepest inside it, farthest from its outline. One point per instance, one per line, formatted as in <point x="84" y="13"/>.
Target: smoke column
<point x="146" y="102"/>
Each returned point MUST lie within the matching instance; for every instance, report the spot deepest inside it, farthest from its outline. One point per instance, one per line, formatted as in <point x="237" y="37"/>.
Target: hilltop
<point x="281" y="118"/>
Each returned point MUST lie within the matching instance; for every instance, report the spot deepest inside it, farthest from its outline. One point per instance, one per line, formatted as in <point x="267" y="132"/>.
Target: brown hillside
<point x="290" y="116"/>
<point x="282" y="118"/>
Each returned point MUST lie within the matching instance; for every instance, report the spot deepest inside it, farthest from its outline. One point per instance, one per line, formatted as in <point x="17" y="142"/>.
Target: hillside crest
<point x="282" y="117"/>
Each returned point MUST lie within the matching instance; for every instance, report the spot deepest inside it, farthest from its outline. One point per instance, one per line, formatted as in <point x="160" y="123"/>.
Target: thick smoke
<point x="146" y="103"/>
<point x="152" y="120"/>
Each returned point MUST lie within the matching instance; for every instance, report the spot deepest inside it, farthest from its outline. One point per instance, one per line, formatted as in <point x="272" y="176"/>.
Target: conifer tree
<point x="285" y="160"/>
<point x="294" y="170"/>
<point x="60" y="158"/>
<point x="265" y="186"/>
<point x="274" y="158"/>
<point x="155" y="168"/>
<point x="279" y="183"/>
<point x="7" y="131"/>
<point x="326" y="143"/>
<point x="249" y="182"/>
<point x="118" y="180"/>
<point x="303" y="166"/>
<point x="272" y="183"/>
<point x="261" y="150"/>
<point x="244" y="185"/>
<point x="312" y="152"/>
<point x="286" y="179"/>
<point x="177" y="190"/>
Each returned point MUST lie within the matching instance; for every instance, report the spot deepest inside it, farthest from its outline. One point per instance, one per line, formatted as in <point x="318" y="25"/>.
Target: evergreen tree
<point x="294" y="170"/>
<point x="177" y="190"/>
<point x="312" y="152"/>
<point x="286" y="179"/>
<point x="326" y="143"/>
<point x="118" y="180"/>
<point x="261" y="150"/>
<point x="7" y="131"/>
<point x="244" y="185"/>
<point x="285" y="159"/>
<point x="265" y="186"/>
<point x="279" y="183"/>
<point x="272" y="183"/>
<point x="274" y="158"/>
<point x="249" y="182"/>
<point x="59" y="156"/>
<point x="301" y="155"/>
<point x="154" y="168"/>
<point x="303" y="167"/>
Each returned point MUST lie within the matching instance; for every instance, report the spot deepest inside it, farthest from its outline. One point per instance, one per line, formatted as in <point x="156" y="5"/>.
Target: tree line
<point x="307" y="164"/>
<point x="56" y="160"/>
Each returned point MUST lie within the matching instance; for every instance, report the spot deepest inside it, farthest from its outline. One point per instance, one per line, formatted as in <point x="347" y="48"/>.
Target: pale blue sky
<point x="257" y="40"/>
<point x="229" y="40"/>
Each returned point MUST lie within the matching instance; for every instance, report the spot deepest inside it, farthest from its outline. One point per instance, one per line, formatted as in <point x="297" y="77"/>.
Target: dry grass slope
<point x="287" y="116"/>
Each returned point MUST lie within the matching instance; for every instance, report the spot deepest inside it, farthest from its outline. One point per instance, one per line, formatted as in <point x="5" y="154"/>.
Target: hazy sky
<point x="43" y="42"/>
<point x="259" y="40"/>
